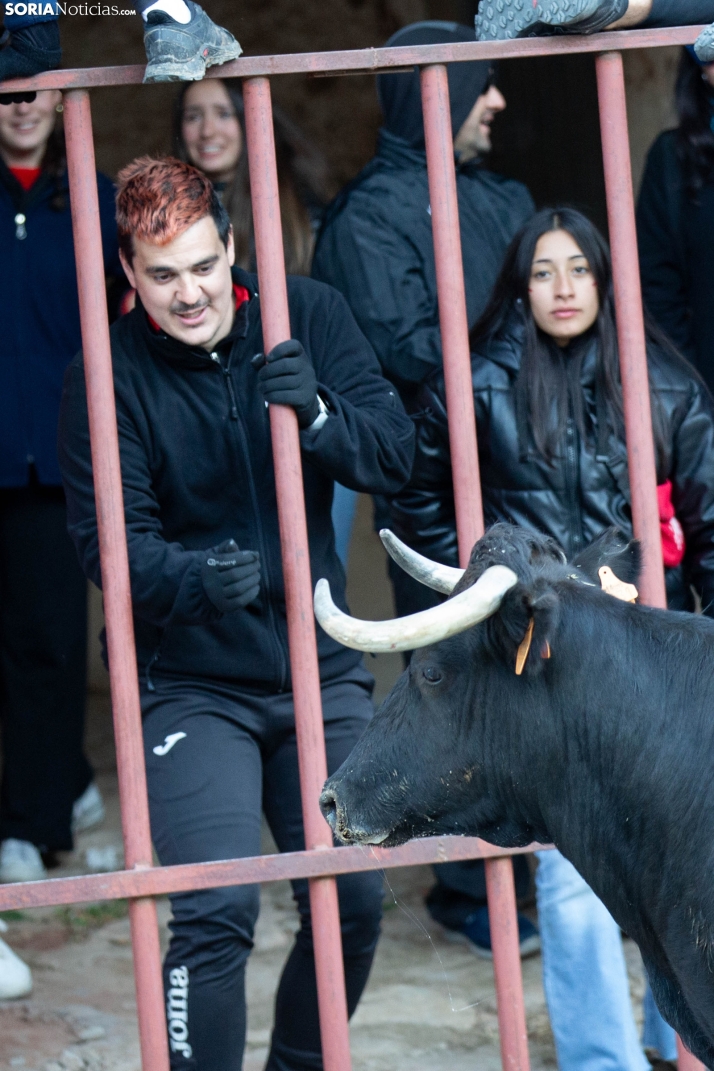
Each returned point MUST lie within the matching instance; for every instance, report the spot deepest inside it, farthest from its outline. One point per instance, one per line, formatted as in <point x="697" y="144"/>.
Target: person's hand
<point x="286" y="377"/>
<point x="231" y="577"/>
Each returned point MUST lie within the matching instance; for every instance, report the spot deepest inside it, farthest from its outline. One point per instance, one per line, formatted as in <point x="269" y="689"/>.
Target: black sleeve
<point x="693" y="489"/>
<point x="372" y="262"/>
<point x="423" y="514"/>
<point x="367" y="441"/>
<point x="166" y="582"/>
<point x="661" y="248"/>
<point x="110" y="238"/>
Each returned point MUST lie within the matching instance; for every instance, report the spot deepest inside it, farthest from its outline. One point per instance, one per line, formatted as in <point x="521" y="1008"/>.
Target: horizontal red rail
<point x="320" y="863"/>
<point x="371" y="60"/>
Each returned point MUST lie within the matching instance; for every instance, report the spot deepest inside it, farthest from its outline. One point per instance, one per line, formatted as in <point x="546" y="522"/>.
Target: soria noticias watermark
<point x="59" y="8"/>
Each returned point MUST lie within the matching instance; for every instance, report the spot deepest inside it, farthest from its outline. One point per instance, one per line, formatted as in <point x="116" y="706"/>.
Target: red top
<point x="26" y="176"/>
<point x="673" y="545"/>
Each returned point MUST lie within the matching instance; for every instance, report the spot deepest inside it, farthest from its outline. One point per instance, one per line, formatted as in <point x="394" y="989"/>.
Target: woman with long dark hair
<point x="209" y="132"/>
<point x="553" y="457"/>
<point x="675" y="220"/>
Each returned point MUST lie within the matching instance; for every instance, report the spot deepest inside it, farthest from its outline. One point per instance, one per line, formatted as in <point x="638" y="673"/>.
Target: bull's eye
<point x="432" y="675"/>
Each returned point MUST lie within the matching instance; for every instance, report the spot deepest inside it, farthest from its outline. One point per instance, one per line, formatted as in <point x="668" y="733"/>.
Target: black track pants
<point x="679" y="13"/>
<point x="223" y="756"/>
<point x="43" y="652"/>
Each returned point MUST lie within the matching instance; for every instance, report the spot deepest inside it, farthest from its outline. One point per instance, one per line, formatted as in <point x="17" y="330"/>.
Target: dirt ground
<point x="429" y="1005"/>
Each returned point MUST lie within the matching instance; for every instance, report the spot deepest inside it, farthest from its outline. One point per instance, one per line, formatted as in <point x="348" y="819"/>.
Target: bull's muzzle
<point x="336" y="818"/>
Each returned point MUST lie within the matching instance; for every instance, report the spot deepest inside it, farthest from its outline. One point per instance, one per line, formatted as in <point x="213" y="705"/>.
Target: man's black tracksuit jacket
<point x="197" y="469"/>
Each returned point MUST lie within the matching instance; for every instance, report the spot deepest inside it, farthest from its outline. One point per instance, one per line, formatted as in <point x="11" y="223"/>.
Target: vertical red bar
<point x="630" y="322"/>
<point x="115" y="569"/>
<point x="296" y="571"/>
<point x="633" y="350"/>
<point x="469" y="511"/>
<point x="452" y="307"/>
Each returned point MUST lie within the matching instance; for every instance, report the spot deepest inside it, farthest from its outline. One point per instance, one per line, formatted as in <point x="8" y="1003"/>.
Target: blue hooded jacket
<point x="39" y="311"/>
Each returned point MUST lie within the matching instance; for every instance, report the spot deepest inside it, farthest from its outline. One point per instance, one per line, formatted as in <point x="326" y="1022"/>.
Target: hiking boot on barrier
<point x="503" y="20"/>
<point x="704" y="45"/>
<point x="180" y="51"/>
<point x="180" y="41"/>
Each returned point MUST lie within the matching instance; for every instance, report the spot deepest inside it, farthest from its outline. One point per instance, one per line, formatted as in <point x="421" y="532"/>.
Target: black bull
<point x="604" y="749"/>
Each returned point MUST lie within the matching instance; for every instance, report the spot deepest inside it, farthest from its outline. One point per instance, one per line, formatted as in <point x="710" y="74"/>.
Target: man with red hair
<point x="192" y="390"/>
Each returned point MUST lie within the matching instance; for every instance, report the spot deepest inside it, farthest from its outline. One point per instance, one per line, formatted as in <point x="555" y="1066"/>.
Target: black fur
<point x="604" y="749"/>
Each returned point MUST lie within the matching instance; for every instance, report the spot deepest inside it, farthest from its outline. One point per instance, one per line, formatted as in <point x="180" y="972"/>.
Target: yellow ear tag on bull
<point x="524" y="648"/>
<point x="617" y="588"/>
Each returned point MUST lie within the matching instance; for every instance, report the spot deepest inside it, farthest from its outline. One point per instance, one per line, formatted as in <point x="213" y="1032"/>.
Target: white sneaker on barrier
<point x="15" y="976"/>
<point x="20" y="861"/>
<point x="88" y="810"/>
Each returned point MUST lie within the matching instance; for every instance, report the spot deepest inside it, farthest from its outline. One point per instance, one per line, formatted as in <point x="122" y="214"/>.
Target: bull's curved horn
<point x="441" y="578"/>
<point x="417" y="630"/>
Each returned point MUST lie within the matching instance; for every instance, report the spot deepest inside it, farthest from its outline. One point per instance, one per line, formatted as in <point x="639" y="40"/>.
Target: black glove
<point x="286" y="377"/>
<point x="231" y="577"/>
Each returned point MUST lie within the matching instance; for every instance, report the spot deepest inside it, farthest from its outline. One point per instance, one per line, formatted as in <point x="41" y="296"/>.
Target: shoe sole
<point x="504" y="20"/>
<point x="704" y="45"/>
<point x="529" y="947"/>
<point x="192" y="70"/>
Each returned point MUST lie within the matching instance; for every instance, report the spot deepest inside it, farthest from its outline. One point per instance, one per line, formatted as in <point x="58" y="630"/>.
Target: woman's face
<point x="562" y="289"/>
<point x="25" y="129"/>
<point x="211" y="131"/>
<point x="708" y="73"/>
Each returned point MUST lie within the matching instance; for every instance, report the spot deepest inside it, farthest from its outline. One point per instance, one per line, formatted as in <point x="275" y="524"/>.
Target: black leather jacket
<point x="576" y="497"/>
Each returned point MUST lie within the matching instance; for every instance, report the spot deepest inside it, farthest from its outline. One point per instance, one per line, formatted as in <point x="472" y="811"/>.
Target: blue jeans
<point x="344" y="505"/>
<point x="585" y="978"/>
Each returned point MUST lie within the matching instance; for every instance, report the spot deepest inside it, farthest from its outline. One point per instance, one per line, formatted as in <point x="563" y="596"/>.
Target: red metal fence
<point x="320" y="861"/>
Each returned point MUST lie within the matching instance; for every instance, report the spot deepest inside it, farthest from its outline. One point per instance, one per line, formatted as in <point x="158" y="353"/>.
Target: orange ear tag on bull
<point x="617" y="588"/>
<point x="524" y="648"/>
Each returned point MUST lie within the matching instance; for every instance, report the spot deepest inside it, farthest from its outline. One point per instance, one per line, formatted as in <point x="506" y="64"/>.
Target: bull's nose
<point x="328" y="806"/>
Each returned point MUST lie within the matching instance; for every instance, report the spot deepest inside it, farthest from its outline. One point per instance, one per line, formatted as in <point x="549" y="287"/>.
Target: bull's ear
<point x="521" y="633"/>
<point x="612" y="548"/>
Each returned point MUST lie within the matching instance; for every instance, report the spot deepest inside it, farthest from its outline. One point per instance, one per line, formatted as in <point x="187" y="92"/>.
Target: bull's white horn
<point x="417" y="630"/>
<point x="441" y="578"/>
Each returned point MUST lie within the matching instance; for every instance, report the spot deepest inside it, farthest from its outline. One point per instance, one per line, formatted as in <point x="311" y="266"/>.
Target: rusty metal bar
<point x="115" y="568"/>
<point x="469" y="512"/>
<point x="372" y="60"/>
<point x="161" y="880"/>
<point x="307" y="696"/>
<point x="452" y="307"/>
<point x="630" y="323"/>
<point x="633" y="350"/>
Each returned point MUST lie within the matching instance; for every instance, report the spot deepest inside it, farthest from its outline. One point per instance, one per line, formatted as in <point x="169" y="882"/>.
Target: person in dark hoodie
<point x="376" y="246"/>
<point x="210" y="620"/>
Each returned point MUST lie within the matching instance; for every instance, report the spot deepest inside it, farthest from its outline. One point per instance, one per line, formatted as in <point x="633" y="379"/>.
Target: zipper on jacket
<point x="229" y="384"/>
<point x="572" y="484"/>
<point x="240" y="428"/>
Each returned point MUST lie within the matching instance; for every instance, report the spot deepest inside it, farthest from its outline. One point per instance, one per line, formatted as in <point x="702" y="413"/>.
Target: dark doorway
<point x="549" y="135"/>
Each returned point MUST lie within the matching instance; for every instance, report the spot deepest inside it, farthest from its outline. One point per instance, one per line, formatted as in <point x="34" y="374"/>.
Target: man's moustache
<point x="186" y="310"/>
